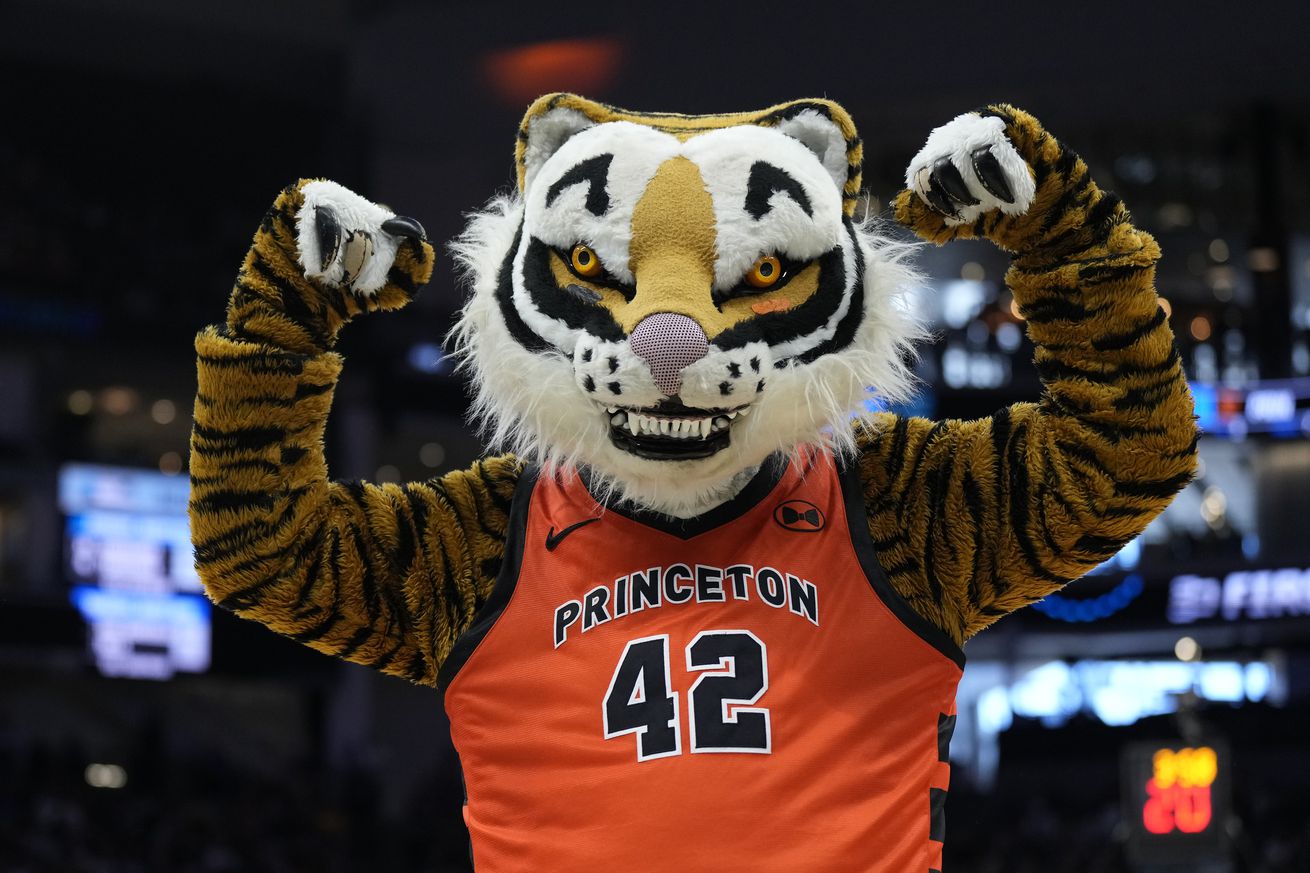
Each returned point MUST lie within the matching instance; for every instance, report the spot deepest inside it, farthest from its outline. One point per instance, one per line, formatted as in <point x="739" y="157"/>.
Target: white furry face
<point x="668" y="311"/>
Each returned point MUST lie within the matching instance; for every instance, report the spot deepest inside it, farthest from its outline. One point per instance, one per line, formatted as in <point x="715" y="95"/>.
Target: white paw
<point x="346" y="241"/>
<point x="969" y="167"/>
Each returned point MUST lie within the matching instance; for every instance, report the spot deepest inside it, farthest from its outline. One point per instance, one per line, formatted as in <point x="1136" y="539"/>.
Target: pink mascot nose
<point x="668" y="342"/>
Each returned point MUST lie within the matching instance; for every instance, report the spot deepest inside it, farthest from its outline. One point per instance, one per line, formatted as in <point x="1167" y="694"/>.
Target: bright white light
<point x="105" y="776"/>
<point x="1045" y="692"/>
<point x="994" y="713"/>
<point x="961" y="301"/>
<point x="1121" y="706"/>
<point x="1258" y="680"/>
<point x="1221" y="682"/>
<point x="1187" y="649"/>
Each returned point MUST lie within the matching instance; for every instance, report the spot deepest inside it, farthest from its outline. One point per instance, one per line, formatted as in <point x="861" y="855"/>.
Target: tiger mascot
<point x="707" y="613"/>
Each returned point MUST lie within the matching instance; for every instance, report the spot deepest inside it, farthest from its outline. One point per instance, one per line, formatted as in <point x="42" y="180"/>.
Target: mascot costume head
<point x="668" y="300"/>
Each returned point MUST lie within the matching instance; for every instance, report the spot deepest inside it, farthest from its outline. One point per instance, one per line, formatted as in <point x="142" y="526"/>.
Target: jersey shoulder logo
<point x="799" y="515"/>
<point x="554" y="539"/>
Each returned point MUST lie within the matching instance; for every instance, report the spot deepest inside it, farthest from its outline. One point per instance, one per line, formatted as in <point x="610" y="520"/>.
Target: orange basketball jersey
<point x="740" y="691"/>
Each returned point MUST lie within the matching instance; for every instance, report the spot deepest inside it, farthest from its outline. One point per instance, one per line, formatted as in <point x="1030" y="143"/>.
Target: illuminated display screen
<point x="1278" y="407"/>
<point x="128" y="555"/>
<point x="1176" y="801"/>
<point x="1178" y="794"/>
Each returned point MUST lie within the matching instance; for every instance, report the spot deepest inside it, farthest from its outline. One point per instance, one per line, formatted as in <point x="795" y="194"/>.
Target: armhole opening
<point x="506" y="581"/>
<point x="858" y="524"/>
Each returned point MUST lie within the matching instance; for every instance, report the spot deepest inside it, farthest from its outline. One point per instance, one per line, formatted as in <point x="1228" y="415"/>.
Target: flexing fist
<point x="346" y="241"/>
<point x="322" y="255"/>
<point x="997" y="173"/>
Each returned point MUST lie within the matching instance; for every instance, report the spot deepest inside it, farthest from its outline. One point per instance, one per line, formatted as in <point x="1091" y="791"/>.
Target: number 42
<point x="734" y="672"/>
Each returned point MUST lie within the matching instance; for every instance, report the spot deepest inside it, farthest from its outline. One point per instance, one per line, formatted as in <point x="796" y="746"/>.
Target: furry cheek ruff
<point x="532" y="404"/>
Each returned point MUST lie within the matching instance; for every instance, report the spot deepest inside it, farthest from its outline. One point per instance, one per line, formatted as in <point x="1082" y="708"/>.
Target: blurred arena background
<point x="1152" y="717"/>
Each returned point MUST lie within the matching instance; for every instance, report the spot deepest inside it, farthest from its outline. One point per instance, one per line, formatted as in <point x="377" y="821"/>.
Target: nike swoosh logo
<point x="554" y="539"/>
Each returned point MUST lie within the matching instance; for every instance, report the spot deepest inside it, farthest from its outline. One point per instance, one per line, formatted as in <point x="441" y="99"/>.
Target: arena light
<point x="105" y="776"/>
<point x="521" y="74"/>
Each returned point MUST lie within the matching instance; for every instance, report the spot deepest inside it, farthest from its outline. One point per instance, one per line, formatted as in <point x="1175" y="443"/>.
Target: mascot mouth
<point x="671" y="431"/>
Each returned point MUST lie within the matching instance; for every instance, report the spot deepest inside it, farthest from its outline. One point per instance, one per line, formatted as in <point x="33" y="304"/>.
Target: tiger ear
<point x="547" y="125"/>
<point x="825" y="137"/>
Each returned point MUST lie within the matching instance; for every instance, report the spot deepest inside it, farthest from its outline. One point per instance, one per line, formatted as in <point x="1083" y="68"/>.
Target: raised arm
<point x="975" y="519"/>
<point x="386" y="576"/>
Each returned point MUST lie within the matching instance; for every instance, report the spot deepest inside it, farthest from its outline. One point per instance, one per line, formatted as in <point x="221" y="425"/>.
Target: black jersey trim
<point x="758" y="488"/>
<point x="867" y="555"/>
<point x="506" y="580"/>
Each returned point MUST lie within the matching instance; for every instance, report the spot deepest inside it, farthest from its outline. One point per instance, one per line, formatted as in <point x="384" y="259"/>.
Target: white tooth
<point x="683" y="425"/>
<point x="732" y="415"/>
<point x="720" y="423"/>
<point x="634" y="424"/>
<point x="665" y="426"/>
<point x="742" y="411"/>
<point x="703" y="428"/>
<point x="611" y="409"/>
<point x="617" y="419"/>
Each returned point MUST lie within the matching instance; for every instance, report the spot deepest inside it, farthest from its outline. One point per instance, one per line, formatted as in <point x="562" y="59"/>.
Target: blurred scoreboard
<point x="1176" y="805"/>
<point x="128" y="558"/>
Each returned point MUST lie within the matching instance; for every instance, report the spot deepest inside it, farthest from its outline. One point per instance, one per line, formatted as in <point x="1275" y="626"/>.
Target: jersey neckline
<point x="761" y="484"/>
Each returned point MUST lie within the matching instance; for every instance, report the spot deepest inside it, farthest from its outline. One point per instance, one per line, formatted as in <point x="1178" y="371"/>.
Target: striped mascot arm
<point x="386" y="576"/>
<point x="976" y="519"/>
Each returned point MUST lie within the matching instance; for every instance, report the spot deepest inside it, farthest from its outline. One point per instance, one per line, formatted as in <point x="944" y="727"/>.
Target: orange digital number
<point x="1178" y="792"/>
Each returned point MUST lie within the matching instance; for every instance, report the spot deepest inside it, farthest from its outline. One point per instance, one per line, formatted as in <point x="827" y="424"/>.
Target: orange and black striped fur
<point x="972" y="519"/>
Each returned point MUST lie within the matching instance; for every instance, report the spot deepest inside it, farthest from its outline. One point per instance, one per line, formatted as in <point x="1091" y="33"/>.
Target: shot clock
<point x="1176" y="805"/>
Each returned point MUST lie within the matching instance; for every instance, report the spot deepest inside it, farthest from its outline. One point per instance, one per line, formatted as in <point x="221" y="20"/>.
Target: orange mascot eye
<point x="585" y="262"/>
<point x="764" y="273"/>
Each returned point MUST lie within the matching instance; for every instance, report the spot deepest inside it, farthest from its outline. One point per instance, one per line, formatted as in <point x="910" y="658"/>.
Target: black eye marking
<point x="765" y="181"/>
<point x="587" y="295"/>
<point x="734" y="370"/>
<point x="595" y="173"/>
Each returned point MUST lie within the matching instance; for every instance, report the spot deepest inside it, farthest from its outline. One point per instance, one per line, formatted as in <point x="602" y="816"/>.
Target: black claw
<point x="948" y="175"/>
<point x="583" y="293"/>
<point x="404" y="226"/>
<point x="329" y="236"/>
<point x="937" y="199"/>
<point x="990" y="174"/>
